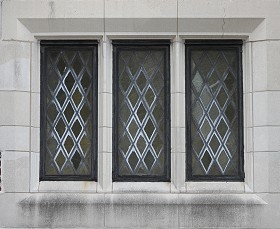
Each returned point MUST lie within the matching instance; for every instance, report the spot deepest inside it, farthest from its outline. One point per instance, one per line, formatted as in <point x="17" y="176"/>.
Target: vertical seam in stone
<point x="104" y="5"/>
<point x="30" y="110"/>
<point x="104" y="214"/>
<point x="102" y="65"/>
<point x="178" y="218"/>
<point x="252" y="116"/>
<point x="1" y="29"/>
<point x="177" y="19"/>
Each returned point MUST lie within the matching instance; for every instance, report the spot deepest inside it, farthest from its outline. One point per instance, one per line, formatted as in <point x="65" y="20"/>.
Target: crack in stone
<point x="224" y="23"/>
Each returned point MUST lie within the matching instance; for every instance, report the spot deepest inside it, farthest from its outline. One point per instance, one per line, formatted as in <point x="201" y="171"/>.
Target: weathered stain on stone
<point x="51" y="9"/>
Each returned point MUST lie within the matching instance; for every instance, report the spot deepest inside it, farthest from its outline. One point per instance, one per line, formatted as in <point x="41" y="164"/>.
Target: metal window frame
<point x="142" y="45"/>
<point x="216" y="44"/>
<point x="47" y="44"/>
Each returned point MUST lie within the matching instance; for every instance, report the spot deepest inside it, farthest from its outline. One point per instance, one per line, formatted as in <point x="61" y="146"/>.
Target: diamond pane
<point x="141" y="112"/>
<point x="61" y="66"/>
<point x="125" y="81"/>
<point x="133" y="96"/>
<point x="141" y="144"/>
<point x="150" y="64"/>
<point x="125" y="113"/>
<point x="52" y="144"/>
<point x="206" y="97"/>
<point x="133" y="65"/>
<point x="214" y="82"/>
<point x="52" y="112"/>
<point x="206" y="160"/>
<point x="230" y="112"/>
<point x="141" y="81"/>
<point x="85" y="112"/>
<point x="157" y="144"/>
<point x="149" y="128"/>
<point x="230" y="56"/>
<point x="197" y="112"/>
<point x="76" y="160"/>
<point x="60" y="160"/>
<point x="69" y="112"/>
<point x="150" y="96"/>
<point x="60" y="127"/>
<point x="230" y="81"/>
<point x="158" y="82"/>
<point x="51" y="170"/>
<point x="77" y="64"/>
<point x="76" y="128"/>
<point x="149" y="159"/>
<point x="214" y="144"/>
<point x="53" y="80"/>
<point x="69" y="82"/>
<point x="133" y="160"/>
<point x="214" y="112"/>
<point x="133" y="128"/>
<point x="61" y="97"/>
<point x="197" y="82"/>
<point x="124" y="144"/>
<point x="231" y="144"/>
<point x="158" y="112"/>
<point x="205" y="65"/>
<point x="222" y="66"/>
<point x="205" y="128"/>
<point x="222" y="97"/>
<point x="77" y="97"/>
<point x="196" y="55"/>
<point x="68" y="144"/>
<point x="85" y="144"/>
<point x="222" y="128"/>
<point x="68" y="169"/>
<point x="69" y="55"/>
<point x="213" y="55"/>
<point x="197" y="144"/>
<point x="223" y="160"/>
<point x="85" y="81"/>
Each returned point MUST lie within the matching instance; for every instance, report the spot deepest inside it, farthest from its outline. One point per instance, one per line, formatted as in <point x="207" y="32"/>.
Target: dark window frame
<point x="52" y="44"/>
<point x="214" y="44"/>
<point x="142" y="45"/>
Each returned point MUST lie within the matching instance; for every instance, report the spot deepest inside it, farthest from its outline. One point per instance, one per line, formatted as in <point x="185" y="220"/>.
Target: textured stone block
<point x="14" y="138"/>
<point x="15" y="66"/>
<point x="15" y="108"/>
<point x="15" y="171"/>
<point x="266" y="172"/>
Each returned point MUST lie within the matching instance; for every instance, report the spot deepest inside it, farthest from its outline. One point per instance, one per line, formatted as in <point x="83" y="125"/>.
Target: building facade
<point x="149" y="114"/>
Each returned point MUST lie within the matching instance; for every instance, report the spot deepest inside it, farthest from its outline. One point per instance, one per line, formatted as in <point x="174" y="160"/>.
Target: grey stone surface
<point x="93" y="210"/>
<point x="27" y="202"/>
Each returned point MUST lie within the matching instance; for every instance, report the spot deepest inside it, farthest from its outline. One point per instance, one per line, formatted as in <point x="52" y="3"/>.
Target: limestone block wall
<point x="26" y="202"/>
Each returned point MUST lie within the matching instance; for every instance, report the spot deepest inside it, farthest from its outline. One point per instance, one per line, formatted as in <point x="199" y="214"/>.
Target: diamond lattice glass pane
<point x="214" y="112"/>
<point x="52" y="110"/>
<point x="69" y="82"/>
<point x="69" y="107"/>
<point x="140" y="111"/>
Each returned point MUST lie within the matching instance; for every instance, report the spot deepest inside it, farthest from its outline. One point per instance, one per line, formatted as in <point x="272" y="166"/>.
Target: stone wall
<point x="26" y="202"/>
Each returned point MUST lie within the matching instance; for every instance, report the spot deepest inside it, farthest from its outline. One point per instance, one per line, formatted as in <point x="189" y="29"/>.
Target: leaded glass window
<point x="141" y="111"/>
<point x="68" y="110"/>
<point x="214" y="110"/>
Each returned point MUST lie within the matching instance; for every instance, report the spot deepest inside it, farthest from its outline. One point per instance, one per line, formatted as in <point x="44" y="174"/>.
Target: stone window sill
<point x="142" y="199"/>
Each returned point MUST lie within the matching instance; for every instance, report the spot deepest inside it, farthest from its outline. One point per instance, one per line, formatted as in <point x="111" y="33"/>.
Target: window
<point x="141" y="132"/>
<point x="214" y="110"/>
<point x="68" y="110"/>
